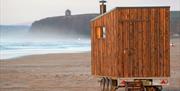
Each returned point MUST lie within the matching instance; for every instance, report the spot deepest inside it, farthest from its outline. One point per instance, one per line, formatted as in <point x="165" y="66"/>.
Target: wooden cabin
<point x="131" y="42"/>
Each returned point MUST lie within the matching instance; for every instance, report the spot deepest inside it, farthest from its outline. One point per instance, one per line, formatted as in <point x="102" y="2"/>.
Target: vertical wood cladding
<point x="136" y="43"/>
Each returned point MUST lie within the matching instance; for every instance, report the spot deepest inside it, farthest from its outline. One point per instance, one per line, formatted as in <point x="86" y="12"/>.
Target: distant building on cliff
<point x="67" y="12"/>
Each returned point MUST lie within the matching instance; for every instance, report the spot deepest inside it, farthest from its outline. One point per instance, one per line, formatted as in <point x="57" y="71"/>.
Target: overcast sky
<point x="25" y="11"/>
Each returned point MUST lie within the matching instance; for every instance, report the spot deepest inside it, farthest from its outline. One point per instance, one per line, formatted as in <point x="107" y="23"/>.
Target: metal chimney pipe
<point x="102" y="6"/>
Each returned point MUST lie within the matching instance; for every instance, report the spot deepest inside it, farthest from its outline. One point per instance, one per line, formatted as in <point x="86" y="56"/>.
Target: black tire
<point x="159" y="88"/>
<point x="110" y="87"/>
<point x="156" y="88"/>
<point x="106" y="84"/>
<point x="102" y="84"/>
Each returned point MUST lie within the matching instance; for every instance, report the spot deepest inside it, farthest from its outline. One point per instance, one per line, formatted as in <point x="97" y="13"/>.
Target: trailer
<point x="130" y="48"/>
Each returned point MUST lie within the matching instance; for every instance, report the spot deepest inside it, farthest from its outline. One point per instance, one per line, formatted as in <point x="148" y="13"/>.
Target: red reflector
<point x="123" y="82"/>
<point x="164" y="82"/>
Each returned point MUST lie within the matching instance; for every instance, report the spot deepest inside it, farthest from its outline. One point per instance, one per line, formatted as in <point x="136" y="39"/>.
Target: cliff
<point x="175" y="24"/>
<point x="63" y="26"/>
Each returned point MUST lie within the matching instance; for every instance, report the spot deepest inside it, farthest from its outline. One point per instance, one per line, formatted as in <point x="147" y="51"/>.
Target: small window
<point x="98" y="32"/>
<point x="104" y="31"/>
<point x="101" y="32"/>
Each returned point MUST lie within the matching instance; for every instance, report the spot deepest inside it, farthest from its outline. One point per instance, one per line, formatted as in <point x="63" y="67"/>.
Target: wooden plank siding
<point x="136" y="43"/>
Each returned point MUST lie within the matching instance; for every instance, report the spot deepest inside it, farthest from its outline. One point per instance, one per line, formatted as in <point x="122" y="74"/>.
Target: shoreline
<point x="19" y="57"/>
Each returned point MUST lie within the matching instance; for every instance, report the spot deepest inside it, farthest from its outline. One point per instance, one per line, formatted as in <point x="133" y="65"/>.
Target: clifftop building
<point x="67" y="12"/>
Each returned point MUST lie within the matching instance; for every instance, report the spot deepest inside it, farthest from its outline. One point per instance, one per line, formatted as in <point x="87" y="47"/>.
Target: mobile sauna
<point x="130" y="48"/>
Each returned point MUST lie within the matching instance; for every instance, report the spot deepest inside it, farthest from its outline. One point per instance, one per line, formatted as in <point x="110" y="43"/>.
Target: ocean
<point x="16" y="42"/>
<point x="17" y="49"/>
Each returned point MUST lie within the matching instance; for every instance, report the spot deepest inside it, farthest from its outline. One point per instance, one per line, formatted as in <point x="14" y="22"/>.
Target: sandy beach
<point x="64" y="72"/>
<point x="50" y="72"/>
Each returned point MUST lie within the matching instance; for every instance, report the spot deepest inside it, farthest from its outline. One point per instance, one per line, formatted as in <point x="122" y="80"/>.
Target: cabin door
<point x="132" y="39"/>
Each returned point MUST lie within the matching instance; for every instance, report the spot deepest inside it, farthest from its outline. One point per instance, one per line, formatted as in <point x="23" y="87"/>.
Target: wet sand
<point x="64" y="72"/>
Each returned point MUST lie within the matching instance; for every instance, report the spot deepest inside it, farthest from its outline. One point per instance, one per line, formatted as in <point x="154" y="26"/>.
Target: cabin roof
<point x="128" y="7"/>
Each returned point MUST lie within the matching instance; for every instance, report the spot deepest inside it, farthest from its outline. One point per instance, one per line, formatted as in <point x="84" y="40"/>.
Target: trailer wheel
<point x="102" y="84"/>
<point x="106" y="84"/>
<point x="110" y="87"/>
<point x="154" y="88"/>
<point x="159" y="88"/>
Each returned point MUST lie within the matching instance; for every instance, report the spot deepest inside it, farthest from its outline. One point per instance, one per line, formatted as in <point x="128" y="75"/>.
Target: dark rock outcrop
<point x="175" y="24"/>
<point x="64" y="26"/>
